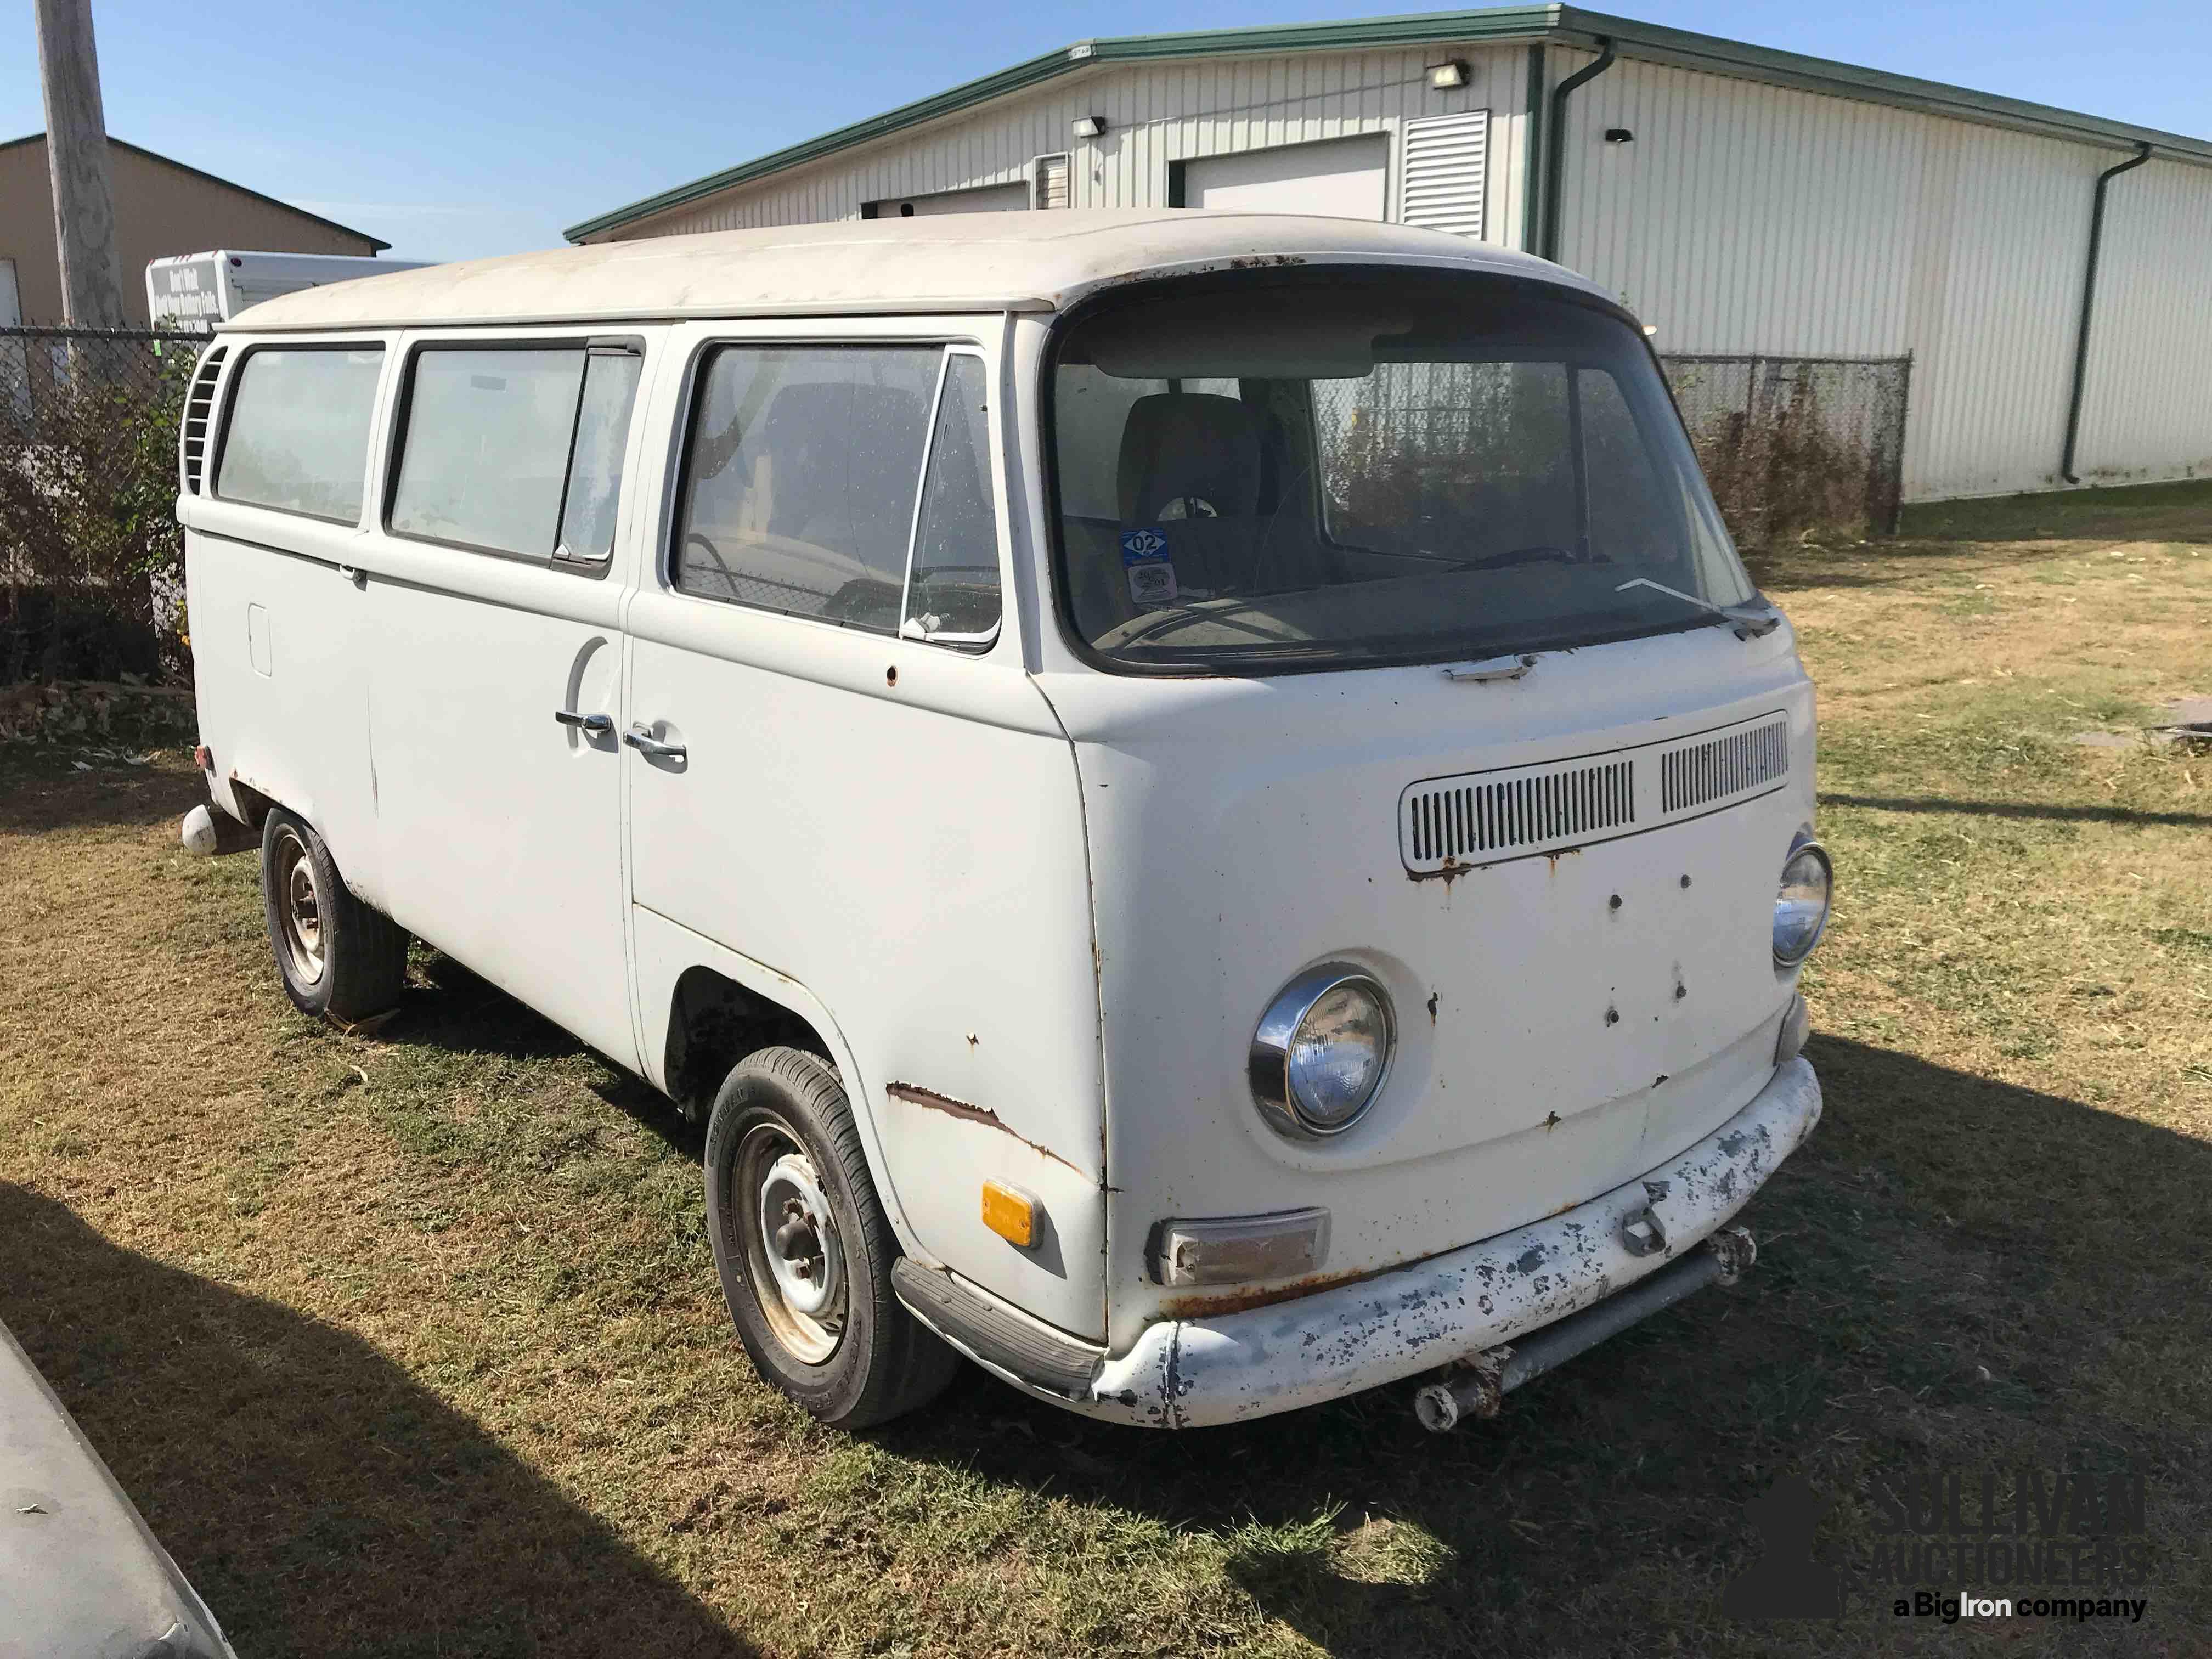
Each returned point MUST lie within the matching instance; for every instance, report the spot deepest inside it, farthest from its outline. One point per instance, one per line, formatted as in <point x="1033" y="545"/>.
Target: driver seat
<point x="1190" y="469"/>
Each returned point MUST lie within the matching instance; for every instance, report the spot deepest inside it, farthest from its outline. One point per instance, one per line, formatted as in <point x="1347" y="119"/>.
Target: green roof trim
<point x="1561" y="25"/>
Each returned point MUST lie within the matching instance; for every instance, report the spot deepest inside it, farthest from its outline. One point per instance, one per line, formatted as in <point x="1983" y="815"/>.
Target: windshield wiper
<point x="1750" y="622"/>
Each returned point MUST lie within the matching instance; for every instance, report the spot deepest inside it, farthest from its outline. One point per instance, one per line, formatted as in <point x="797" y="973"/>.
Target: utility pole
<point x="76" y="160"/>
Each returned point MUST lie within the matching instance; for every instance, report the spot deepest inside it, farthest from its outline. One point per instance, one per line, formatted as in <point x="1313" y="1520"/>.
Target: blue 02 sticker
<point x="1139" y="545"/>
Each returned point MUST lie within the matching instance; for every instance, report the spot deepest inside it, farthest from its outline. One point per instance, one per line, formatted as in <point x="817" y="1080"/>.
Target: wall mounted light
<point x="1442" y="77"/>
<point x="1619" y="136"/>
<point x="1089" y="126"/>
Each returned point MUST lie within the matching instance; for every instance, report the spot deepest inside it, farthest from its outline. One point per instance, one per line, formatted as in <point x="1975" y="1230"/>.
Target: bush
<point x="91" y="558"/>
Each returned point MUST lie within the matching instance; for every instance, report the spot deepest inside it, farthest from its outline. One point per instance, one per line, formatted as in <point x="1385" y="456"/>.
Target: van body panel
<point x="897" y="827"/>
<point x="281" y="661"/>
<point x="1268" y="810"/>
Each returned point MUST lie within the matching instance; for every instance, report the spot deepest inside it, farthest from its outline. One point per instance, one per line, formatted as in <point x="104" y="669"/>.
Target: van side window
<point x="953" y="593"/>
<point x="595" y="463"/>
<point x="800" y="480"/>
<point x="298" y="438"/>
<point x="487" y="445"/>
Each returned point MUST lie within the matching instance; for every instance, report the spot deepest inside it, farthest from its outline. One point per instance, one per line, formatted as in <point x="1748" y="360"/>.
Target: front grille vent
<point x="199" y="415"/>
<point x="1458" y="822"/>
<point x="1446" y="824"/>
<point x="1723" y="766"/>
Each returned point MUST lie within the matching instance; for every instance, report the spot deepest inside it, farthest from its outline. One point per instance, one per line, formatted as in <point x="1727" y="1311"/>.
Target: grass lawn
<point x="411" y="1345"/>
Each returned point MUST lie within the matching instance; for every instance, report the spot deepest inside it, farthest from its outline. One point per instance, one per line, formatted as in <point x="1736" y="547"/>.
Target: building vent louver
<point x="1723" y="766"/>
<point x="1051" y="187"/>
<point x="1442" y="172"/>
<point x="1476" y="818"/>
<point x="199" y="416"/>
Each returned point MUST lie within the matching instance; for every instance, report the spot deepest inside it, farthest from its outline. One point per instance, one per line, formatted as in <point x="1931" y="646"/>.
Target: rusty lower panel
<point x="1224" y="1367"/>
<point x="915" y="1095"/>
<point x="1237" y="1300"/>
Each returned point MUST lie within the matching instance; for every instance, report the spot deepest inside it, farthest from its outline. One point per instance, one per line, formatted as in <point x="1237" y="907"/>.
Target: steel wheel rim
<point x="299" y="906"/>
<point x="794" y="1254"/>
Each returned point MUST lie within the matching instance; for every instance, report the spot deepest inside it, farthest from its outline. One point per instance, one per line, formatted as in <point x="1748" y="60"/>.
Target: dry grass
<point x="411" y="1345"/>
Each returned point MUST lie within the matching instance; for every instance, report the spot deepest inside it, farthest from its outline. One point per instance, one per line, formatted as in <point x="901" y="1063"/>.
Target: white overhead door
<point x="992" y="198"/>
<point x="1339" y="178"/>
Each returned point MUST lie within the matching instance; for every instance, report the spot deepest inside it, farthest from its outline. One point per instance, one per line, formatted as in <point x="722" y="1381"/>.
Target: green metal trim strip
<point x="1496" y="23"/>
<point x="1566" y="25"/>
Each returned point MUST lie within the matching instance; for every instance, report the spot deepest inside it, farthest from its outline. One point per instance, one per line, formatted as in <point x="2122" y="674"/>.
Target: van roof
<point x="956" y="262"/>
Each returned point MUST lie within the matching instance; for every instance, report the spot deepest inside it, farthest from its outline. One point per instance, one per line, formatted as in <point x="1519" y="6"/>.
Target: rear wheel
<point x="805" y="1251"/>
<point x="336" y="955"/>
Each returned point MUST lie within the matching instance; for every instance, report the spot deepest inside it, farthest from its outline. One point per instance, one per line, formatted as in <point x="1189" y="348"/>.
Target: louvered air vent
<point x="1460" y="822"/>
<point x="1441" y="179"/>
<point x="1723" y="766"/>
<point x="1515" y="813"/>
<point x="199" y="415"/>
<point x="1051" y="188"/>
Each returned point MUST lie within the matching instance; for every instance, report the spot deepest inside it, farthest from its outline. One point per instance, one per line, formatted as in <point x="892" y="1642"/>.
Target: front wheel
<point x="805" y="1251"/>
<point x="336" y="955"/>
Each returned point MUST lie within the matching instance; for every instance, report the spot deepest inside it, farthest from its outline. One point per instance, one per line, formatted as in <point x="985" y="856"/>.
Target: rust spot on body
<point x="915" y="1095"/>
<point x="1450" y="871"/>
<point x="1234" y="1300"/>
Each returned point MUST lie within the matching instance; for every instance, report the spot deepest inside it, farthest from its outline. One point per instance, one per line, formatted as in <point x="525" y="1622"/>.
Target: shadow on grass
<point x="320" y="1500"/>
<point x="39" y="792"/>
<point x="2123" y="815"/>
<point x="1954" y="1271"/>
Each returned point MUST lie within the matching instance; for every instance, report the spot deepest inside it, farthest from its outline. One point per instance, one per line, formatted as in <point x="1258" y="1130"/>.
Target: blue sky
<point x="474" y="127"/>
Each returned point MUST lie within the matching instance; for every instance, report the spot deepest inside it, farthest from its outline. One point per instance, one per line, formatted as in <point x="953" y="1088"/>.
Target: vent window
<point x="199" y="414"/>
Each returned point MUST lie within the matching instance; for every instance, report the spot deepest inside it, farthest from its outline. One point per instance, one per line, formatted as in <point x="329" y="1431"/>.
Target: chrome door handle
<point x="596" y="725"/>
<point x="355" y="574"/>
<point x="641" y="739"/>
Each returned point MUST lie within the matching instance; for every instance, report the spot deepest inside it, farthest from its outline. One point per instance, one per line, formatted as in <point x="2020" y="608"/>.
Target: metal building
<point x="2048" y="274"/>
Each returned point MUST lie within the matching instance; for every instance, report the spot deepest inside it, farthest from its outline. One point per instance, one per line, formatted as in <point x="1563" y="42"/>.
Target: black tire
<point x="866" y="1359"/>
<point x="338" y="957"/>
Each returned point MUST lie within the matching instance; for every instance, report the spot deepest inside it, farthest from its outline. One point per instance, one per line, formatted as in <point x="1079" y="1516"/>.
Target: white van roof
<point x="966" y="261"/>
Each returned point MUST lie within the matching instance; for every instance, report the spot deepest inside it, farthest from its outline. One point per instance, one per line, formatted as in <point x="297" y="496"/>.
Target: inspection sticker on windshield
<point x="1152" y="576"/>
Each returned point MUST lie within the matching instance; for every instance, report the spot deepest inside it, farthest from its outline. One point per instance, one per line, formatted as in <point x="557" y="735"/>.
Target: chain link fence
<point x="1789" y="445"/>
<point x="91" y="559"/>
<point x="1793" y="445"/>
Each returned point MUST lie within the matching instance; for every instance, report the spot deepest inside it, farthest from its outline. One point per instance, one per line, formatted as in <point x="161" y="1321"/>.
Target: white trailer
<point x="197" y="291"/>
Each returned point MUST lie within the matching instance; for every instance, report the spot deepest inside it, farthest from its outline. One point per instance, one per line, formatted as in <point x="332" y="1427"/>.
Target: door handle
<point x="355" y="574"/>
<point x="597" y="726"/>
<point x="641" y="739"/>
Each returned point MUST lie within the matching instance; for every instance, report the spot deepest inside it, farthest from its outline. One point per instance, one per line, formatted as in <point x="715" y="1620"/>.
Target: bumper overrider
<point x="1449" y="1308"/>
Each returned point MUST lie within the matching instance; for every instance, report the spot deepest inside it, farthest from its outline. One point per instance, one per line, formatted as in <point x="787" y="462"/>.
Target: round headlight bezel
<point x="1804" y="843"/>
<point x="1268" y="1067"/>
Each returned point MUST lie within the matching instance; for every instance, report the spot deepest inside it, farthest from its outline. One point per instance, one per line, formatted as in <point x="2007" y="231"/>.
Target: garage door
<point x="1342" y="179"/>
<point x="992" y="198"/>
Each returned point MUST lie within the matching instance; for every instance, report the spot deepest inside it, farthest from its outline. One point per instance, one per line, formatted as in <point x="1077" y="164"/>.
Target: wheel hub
<point x="805" y="1254"/>
<point x="300" y="906"/>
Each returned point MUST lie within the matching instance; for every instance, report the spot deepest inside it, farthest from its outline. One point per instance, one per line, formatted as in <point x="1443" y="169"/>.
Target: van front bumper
<point x="1363" y="1332"/>
<point x="1189" y="1373"/>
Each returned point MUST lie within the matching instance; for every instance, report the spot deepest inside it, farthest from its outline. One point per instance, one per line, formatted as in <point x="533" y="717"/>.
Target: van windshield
<point x="1340" y="468"/>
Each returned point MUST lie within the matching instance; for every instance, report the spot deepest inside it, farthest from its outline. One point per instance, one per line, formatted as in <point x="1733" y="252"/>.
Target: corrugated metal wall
<point x="1155" y="114"/>
<point x="1749" y="217"/>
<point x="2148" y="411"/>
<point x="1743" y="217"/>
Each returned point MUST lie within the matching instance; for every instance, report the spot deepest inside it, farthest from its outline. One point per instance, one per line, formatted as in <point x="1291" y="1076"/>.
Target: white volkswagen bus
<point x="1199" y="802"/>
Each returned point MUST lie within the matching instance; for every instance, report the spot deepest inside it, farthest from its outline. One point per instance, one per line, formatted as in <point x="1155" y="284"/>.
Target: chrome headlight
<point x="1801" y="906"/>
<point x="1322" y="1047"/>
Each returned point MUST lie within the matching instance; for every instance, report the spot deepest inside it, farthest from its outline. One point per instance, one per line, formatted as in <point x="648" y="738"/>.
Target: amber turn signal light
<point x="1011" y="1213"/>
